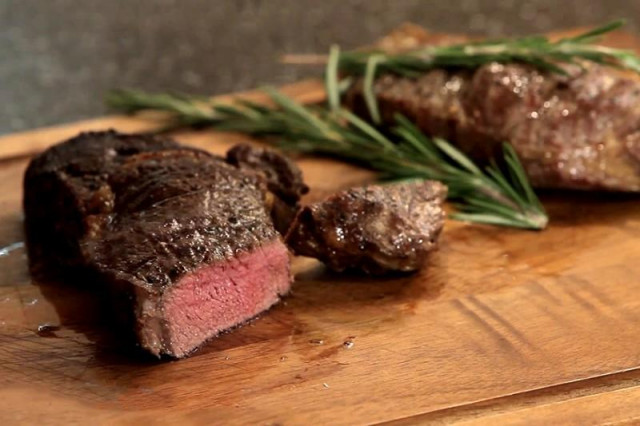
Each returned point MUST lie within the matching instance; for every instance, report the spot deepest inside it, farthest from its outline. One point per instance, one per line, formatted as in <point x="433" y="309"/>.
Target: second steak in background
<point x="580" y="130"/>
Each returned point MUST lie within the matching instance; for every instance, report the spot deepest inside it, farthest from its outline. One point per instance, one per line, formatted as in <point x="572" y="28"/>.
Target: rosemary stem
<point x="484" y="197"/>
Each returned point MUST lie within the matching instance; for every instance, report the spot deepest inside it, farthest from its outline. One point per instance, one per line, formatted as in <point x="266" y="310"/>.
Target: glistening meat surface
<point x="182" y="237"/>
<point x="378" y="228"/>
<point x="578" y="131"/>
<point x="281" y="176"/>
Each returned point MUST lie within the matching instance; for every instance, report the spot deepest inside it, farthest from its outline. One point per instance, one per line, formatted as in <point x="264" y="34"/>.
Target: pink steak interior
<point x="224" y="294"/>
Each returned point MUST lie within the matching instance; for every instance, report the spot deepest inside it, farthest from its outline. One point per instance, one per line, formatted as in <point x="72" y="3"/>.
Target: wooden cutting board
<point x="502" y="327"/>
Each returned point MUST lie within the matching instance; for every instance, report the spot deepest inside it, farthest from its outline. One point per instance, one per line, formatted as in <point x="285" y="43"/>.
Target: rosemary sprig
<point x="538" y="51"/>
<point x="490" y="196"/>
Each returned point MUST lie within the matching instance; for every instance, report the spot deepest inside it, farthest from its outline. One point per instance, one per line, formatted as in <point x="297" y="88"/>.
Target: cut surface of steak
<point x="378" y="228"/>
<point x="281" y="175"/>
<point x="577" y="131"/>
<point x="180" y="235"/>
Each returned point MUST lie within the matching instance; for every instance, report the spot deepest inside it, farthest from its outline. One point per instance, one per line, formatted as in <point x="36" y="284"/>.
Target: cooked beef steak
<point x="281" y="175"/>
<point x="378" y="228"/>
<point x="179" y="233"/>
<point x="577" y="131"/>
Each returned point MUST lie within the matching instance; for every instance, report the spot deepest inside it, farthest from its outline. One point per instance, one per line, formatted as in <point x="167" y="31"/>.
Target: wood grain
<point x="614" y="407"/>
<point x="503" y="327"/>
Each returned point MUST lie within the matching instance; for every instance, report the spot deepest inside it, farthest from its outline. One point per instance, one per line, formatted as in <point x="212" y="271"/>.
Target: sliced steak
<point x="378" y="228"/>
<point x="178" y="234"/>
<point x="578" y="131"/>
<point x="281" y="175"/>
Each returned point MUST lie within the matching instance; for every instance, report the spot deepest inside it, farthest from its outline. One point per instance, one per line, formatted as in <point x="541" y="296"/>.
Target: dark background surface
<point x="58" y="57"/>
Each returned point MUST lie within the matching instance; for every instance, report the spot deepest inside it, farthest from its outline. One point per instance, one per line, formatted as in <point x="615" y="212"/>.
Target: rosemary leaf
<point x="592" y="35"/>
<point x="331" y="78"/>
<point x="365" y="128"/>
<point x="369" y="93"/>
<point x="457" y="156"/>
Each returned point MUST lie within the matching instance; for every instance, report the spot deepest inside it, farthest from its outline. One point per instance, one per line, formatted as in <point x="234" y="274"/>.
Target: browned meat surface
<point x="378" y="228"/>
<point x="282" y="176"/>
<point x="579" y="131"/>
<point x="180" y="235"/>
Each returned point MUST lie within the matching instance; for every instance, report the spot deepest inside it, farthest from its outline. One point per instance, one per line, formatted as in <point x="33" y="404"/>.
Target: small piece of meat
<point x="580" y="130"/>
<point x="281" y="175"/>
<point x="180" y="239"/>
<point x="378" y="228"/>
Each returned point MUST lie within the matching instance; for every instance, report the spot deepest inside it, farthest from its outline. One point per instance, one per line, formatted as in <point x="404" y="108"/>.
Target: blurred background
<point x="58" y="57"/>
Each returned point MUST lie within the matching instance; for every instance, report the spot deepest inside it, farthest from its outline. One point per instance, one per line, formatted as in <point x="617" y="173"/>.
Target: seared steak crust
<point x="282" y="177"/>
<point x="121" y="185"/>
<point x="178" y="209"/>
<point x="377" y="228"/>
<point x="175" y="231"/>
